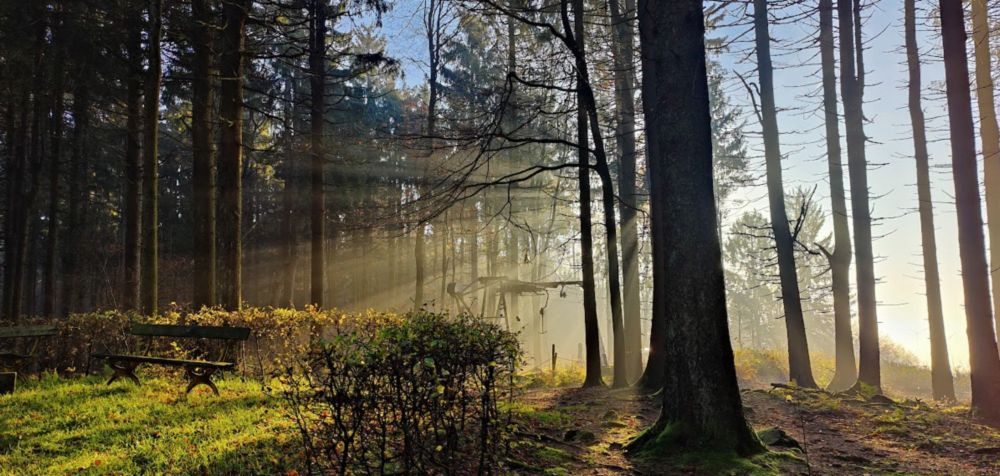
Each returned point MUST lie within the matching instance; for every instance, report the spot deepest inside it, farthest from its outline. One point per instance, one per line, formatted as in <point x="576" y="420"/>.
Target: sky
<point x="902" y="309"/>
<point x="902" y="306"/>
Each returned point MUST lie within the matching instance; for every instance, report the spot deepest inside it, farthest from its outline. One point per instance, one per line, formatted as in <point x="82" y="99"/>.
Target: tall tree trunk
<point x="203" y="156"/>
<point x="77" y="198"/>
<point x="592" y="337"/>
<point x="230" y="163"/>
<point x="31" y="223"/>
<point x="14" y="142"/>
<point x="14" y="231"/>
<point x="133" y="105"/>
<point x="474" y="245"/>
<point x="420" y="265"/>
<point x="149" y="267"/>
<point x="701" y="399"/>
<point x="990" y="136"/>
<point x="799" y="367"/>
<point x="869" y="370"/>
<point x="55" y="163"/>
<point x="589" y="104"/>
<point x="846" y="371"/>
<point x="628" y="200"/>
<point x="289" y="202"/>
<point x="941" y="379"/>
<point x="445" y="234"/>
<point x="30" y="286"/>
<point x="317" y="206"/>
<point x="984" y="362"/>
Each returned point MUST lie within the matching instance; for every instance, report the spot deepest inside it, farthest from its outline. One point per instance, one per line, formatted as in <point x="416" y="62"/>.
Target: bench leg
<point x="123" y="370"/>
<point x="199" y="376"/>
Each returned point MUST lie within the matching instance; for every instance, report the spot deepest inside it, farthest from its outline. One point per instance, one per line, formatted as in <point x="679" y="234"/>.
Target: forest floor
<point x="81" y="426"/>
<point x="573" y="431"/>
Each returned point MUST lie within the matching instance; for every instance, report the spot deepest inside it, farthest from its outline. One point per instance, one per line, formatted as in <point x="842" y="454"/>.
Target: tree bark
<point x="317" y="206"/>
<point x="984" y="362"/>
<point x="133" y="105"/>
<point x="203" y="170"/>
<point x="799" y="367"/>
<point x="77" y="197"/>
<point x="230" y="288"/>
<point x="942" y="384"/>
<point x="701" y="399"/>
<point x="149" y="268"/>
<point x="586" y="100"/>
<point x="990" y="136"/>
<point x="289" y="202"/>
<point x="14" y="141"/>
<point x="846" y="371"/>
<point x="55" y="164"/>
<point x="592" y="338"/>
<point x="869" y="371"/>
<point x="628" y="202"/>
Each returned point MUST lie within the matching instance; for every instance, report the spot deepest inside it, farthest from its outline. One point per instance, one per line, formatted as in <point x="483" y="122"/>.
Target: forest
<point x="460" y="237"/>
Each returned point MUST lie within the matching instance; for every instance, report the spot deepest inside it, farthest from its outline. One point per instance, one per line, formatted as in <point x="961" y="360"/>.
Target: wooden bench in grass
<point x="29" y="336"/>
<point x="199" y="372"/>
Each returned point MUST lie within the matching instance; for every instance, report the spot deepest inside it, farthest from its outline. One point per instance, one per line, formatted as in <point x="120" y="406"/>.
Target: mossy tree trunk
<point x="701" y="400"/>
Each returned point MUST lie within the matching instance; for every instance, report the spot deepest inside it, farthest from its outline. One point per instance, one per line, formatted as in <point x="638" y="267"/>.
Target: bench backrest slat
<point x="28" y="331"/>
<point x="197" y="332"/>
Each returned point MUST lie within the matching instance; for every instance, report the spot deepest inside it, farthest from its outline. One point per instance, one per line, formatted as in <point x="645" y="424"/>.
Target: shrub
<point x="413" y="394"/>
<point x="278" y="335"/>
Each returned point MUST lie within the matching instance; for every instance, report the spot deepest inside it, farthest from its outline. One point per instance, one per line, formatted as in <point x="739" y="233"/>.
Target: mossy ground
<point x="82" y="426"/>
<point x="835" y="434"/>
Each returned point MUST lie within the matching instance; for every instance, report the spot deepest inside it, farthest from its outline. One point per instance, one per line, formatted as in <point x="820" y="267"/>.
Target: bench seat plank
<point x="197" y="332"/>
<point x="145" y="359"/>
<point x="28" y="331"/>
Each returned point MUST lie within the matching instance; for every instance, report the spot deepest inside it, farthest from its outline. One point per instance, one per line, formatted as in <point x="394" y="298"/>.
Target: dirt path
<point x="582" y="432"/>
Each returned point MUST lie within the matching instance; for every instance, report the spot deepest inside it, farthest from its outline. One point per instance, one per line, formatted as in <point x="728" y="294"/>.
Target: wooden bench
<point x="199" y="372"/>
<point x="30" y="336"/>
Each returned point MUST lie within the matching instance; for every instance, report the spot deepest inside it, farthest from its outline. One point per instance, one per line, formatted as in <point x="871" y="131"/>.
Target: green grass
<point x="81" y="426"/>
<point x="548" y="418"/>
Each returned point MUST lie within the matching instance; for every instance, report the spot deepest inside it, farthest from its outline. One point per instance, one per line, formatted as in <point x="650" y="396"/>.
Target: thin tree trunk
<point x="941" y="379"/>
<point x="230" y="163"/>
<point x="149" y="268"/>
<point x="420" y="260"/>
<point x="990" y="136"/>
<point x="701" y="399"/>
<point x="55" y="163"/>
<point x="445" y="232"/>
<point x="31" y="224"/>
<point x="846" y="371"/>
<point x="289" y="224"/>
<point x="14" y="141"/>
<point x="30" y="279"/>
<point x="14" y="233"/>
<point x="78" y="200"/>
<point x="474" y="246"/>
<point x="203" y="170"/>
<point x="628" y="202"/>
<point x="799" y="367"/>
<point x="317" y="207"/>
<point x="592" y="337"/>
<point x="869" y="371"/>
<point x="984" y="361"/>
<point x="133" y="105"/>
<point x="589" y="104"/>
